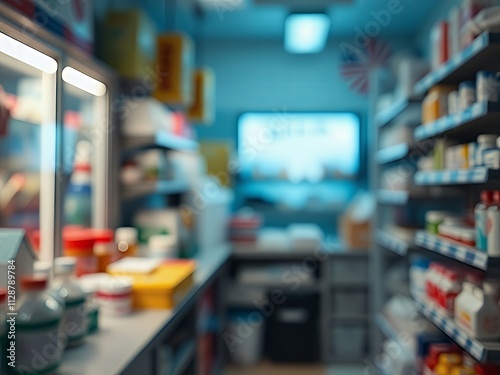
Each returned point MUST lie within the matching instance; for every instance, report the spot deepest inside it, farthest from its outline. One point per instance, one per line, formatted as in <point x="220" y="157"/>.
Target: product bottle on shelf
<point x="43" y="270"/>
<point x="493" y="225"/>
<point x="38" y="328"/>
<point x="78" y="201"/>
<point x="68" y="287"/>
<point x="452" y="286"/>
<point x="3" y="331"/>
<point x="481" y="219"/>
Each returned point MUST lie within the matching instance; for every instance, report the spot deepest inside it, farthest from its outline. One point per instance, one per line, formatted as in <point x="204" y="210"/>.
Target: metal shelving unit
<point x="392" y="154"/>
<point x="387" y="115"/>
<point x="480" y="118"/>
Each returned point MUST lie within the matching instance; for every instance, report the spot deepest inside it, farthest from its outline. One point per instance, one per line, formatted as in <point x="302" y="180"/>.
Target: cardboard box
<point x="202" y="111"/>
<point x="174" y="70"/>
<point x="128" y="44"/>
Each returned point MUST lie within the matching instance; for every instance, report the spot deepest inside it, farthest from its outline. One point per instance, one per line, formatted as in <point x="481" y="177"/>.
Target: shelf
<point x="154" y="187"/>
<point x="483" y="351"/>
<point x="392" y="243"/>
<point x="183" y="358"/>
<point x="386" y="327"/>
<point x="388" y="114"/>
<point x="159" y="140"/>
<point x="393" y="197"/>
<point x="481" y="54"/>
<point x="392" y="154"/>
<point x="457" y="251"/>
<point x="478" y="119"/>
<point x="478" y="175"/>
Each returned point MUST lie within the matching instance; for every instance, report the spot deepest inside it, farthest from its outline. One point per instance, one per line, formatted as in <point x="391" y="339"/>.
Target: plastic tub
<point x="79" y="244"/>
<point x="115" y="296"/>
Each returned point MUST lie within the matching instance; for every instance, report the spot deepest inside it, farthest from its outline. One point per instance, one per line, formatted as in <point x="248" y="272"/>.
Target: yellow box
<point x="128" y="43"/>
<point x="202" y="110"/>
<point x="174" y="69"/>
<point x="163" y="288"/>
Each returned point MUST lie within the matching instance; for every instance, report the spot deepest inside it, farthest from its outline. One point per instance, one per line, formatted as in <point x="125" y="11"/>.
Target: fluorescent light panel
<point x="83" y="82"/>
<point x="27" y="55"/>
<point x="306" y="33"/>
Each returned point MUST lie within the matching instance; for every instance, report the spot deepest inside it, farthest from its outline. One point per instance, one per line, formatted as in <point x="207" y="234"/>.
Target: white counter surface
<point x="120" y="340"/>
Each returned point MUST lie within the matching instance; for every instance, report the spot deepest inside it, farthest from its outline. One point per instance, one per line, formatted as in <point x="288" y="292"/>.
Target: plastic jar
<point x="104" y="248"/>
<point x="90" y="285"/>
<point x="115" y="296"/>
<point x="68" y="287"/>
<point x="126" y="239"/>
<point x="432" y="221"/>
<point x="466" y="94"/>
<point x="484" y="142"/>
<point x="162" y="246"/>
<point x="38" y="328"/>
<point x="80" y="245"/>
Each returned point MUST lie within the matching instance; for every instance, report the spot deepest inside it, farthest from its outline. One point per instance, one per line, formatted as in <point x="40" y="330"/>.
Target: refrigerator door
<point x="86" y="150"/>
<point x="28" y="76"/>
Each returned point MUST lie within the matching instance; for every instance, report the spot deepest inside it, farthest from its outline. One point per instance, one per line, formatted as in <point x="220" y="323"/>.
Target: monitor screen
<point x="298" y="147"/>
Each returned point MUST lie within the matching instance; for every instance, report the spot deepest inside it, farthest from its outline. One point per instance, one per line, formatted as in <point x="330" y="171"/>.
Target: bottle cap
<point x="3" y="295"/>
<point x="41" y="268"/>
<point x="496" y="196"/>
<point x="467" y="84"/>
<point x="33" y="283"/>
<point x="433" y="216"/>
<point x="487" y="138"/>
<point x="486" y="196"/>
<point x="64" y="265"/>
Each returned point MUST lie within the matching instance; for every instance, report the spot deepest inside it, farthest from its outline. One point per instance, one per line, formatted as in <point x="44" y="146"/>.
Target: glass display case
<point x="28" y="81"/>
<point x="56" y="162"/>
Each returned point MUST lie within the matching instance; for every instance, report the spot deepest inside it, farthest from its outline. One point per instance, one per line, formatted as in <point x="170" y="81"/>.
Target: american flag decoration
<point x="358" y="63"/>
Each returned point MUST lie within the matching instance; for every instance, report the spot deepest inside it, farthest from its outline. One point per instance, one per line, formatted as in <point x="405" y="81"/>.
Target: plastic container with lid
<point x="39" y="339"/>
<point x="466" y="94"/>
<point x="163" y="246"/>
<point x="79" y="244"/>
<point x="44" y="270"/>
<point x="481" y="219"/>
<point x="435" y="104"/>
<point x="90" y="285"/>
<point x="478" y="313"/>
<point x="493" y="225"/>
<point x="67" y="286"/>
<point x="484" y="142"/>
<point x="126" y="239"/>
<point x="115" y="296"/>
<point x="432" y="221"/>
<point x="104" y="248"/>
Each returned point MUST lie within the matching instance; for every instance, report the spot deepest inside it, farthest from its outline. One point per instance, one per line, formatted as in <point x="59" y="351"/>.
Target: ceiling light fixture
<point x="306" y="32"/>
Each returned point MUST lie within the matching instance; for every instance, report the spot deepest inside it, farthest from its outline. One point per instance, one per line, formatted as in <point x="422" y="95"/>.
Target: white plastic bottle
<point x="74" y="312"/>
<point x="162" y="246"/>
<point x="39" y="347"/>
<point x="481" y="219"/>
<point x="484" y="142"/>
<point x="493" y="225"/>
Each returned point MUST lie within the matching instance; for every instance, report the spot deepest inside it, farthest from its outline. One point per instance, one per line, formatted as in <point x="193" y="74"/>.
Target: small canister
<point x="163" y="246"/>
<point x="486" y="86"/>
<point x="115" y="296"/>
<point x="466" y="94"/>
<point x="484" y="142"/>
<point x="453" y="104"/>
<point x="81" y="246"/>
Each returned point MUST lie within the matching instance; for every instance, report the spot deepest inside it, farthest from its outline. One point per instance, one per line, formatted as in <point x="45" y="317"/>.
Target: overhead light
<point x="27" y="55"/>
<point x="83" y="82"/>
<point x="306" y="32"/>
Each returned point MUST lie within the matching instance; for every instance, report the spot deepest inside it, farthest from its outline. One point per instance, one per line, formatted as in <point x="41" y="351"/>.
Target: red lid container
<point x="33" y="283"/>
<point x="3" y="295"/>
<point x="486" y="196"/>
<point x="103" y="235"/>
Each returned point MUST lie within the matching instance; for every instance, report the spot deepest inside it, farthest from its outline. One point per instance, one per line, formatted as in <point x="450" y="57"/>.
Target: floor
<point x="271" y="369"/>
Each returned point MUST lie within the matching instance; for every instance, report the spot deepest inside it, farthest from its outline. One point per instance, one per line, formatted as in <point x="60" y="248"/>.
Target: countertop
<point x="120" y="340"/>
